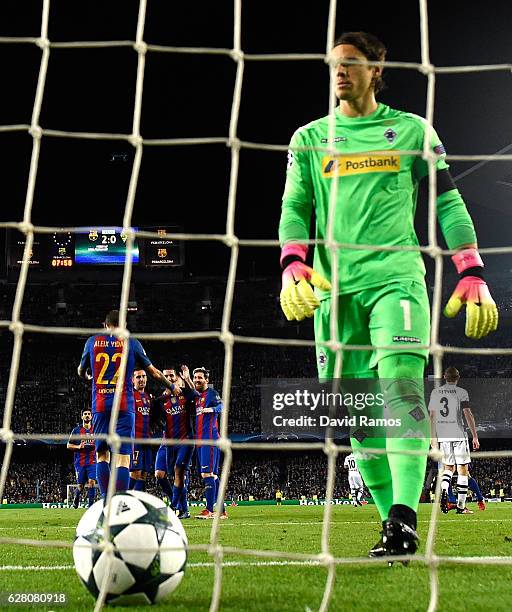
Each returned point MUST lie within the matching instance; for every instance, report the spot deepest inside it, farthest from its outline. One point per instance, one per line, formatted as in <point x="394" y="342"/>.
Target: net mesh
<point x="231" y="241"/>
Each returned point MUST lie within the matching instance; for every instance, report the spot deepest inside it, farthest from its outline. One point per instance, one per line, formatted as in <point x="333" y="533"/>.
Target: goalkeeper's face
<point x="352" y="81"/>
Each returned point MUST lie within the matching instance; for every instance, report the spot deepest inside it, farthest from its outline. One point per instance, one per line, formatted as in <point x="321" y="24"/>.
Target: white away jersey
<point x="446" y="404"/>
<point x="350" y="463"/>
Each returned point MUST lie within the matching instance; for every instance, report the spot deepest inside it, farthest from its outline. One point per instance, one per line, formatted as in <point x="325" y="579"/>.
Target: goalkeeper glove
<point x="472" y="290"/>
<point x="297" y="298"/>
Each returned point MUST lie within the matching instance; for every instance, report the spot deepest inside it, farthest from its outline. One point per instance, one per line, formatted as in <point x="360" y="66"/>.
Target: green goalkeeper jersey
<point x="376" y="196"/>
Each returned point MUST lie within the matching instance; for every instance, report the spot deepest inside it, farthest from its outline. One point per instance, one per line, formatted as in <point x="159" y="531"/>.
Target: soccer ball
<point x="149" y="549"/>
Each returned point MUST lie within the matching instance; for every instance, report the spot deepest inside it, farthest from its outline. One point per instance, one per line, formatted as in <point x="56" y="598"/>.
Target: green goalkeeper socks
<point x="394" y="478"/>
<point x="402" y="381"/>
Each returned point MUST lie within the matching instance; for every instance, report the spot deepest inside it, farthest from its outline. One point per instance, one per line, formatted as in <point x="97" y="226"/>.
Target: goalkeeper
<point x="382" y="297"/>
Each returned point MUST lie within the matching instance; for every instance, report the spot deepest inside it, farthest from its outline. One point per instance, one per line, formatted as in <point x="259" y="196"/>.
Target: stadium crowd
<point x="252" y="476"/>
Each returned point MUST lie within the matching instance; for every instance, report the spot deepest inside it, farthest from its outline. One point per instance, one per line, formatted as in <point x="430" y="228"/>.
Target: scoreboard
<point x="91" y="247"/>
<point x="103" y="246"/>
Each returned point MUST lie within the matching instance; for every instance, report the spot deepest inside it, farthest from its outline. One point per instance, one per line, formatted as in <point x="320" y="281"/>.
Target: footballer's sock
<point x="76" y="496"/>
<point x="176" y="496"/>
<point x="473" y="485"/>
<point x="123" y="479"/>
<point x="91" y="494"/>
<point x="166" y="487"/>
<point x="217" y="485"/>
<point x="401" y="378"/>
<point x="132" y="483"/>
<point x="451" y="495"/>
<point x="462" y="488"/>
<point x="140" y="485"/>
<point x="103" y="476"/>
<point x="209" y="492"/>
<point x="446" y="481"/>
<point x="184" y="500"/>
<point x="375" y="472"/>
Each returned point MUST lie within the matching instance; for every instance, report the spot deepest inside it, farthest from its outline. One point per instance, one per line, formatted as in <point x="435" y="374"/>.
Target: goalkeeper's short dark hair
<point x="451" y="374"/>
<point x="203" y="370"/>
<point x="112" y="318"/>
<point x="370" y="46"/>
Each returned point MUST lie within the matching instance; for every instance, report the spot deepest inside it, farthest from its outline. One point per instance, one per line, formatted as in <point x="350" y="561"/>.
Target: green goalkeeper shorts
<point x="396" y="314"/>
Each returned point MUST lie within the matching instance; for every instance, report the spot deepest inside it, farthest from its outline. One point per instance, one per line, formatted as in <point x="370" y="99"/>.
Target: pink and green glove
<point x="472" y="290"/>
<point x="298" y="300"/>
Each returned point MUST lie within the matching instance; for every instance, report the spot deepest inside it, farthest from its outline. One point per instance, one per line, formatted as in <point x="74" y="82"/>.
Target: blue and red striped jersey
<point x="207" y="422"/>
<point x="177" y="414"/>
<point x="102" y="353"/>
<point x="87" y="454"/>
<point x="142" y="414"/>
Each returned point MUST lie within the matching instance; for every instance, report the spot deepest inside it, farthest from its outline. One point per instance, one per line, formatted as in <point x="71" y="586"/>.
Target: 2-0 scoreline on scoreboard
<point x="96" y="246"/>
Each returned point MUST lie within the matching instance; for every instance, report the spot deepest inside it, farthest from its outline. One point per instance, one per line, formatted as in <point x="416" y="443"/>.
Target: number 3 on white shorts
<point x="405" y="305"/>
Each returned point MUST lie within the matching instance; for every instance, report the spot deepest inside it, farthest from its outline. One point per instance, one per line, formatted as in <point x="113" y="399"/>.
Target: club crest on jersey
<point x="390" y="135"/>
<point x="290" y="159"/>
<point x="322" y="359"/>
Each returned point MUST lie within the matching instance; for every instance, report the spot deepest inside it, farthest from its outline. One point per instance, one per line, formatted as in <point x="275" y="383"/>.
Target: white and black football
<point x="149" y="549"/>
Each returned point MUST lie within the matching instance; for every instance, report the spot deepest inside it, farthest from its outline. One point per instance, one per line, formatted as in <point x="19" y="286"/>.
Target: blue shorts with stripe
<point x="84" y="473"/>
<point x="142" y="458"/>
<point x="208" y="458"/>
<point x="125" y="427"/>
<point x="169" y="457"/>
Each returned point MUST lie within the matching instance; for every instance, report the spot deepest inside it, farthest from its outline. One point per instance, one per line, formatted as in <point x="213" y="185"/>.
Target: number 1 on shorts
<point x="406" y="307"/>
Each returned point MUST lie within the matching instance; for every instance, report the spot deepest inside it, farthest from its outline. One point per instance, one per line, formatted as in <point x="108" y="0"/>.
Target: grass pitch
<point x="256" y="584"/>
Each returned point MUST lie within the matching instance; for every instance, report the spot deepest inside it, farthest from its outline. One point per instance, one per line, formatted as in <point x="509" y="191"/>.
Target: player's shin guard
<point x="123" y="479"/>
<point x="473" y="485"/>
<point x="76" y="496"/>
<point x="183" y="503"/>
<point x="402" y="384"/>
<point x="140" y="485"/>
<point x="375" y="471"/>
<point x="103" y="476"/>
<point x="91" y="495"/>
<point x="166" y="487"/>
<point x="462" y="488"/>
<point x="217" y="484"/>
<point x="209" y="492"/>
<point x="446" y="481"/>
<point x="176" y="496"/>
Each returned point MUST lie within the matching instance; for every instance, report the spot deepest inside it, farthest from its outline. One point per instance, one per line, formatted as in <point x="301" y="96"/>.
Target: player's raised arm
<point x="159" y="376"/>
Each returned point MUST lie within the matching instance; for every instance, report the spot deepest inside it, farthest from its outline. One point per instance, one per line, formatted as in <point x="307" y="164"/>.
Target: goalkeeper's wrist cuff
<point x="467" y="259"/>
<point x="293" y="252"/>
